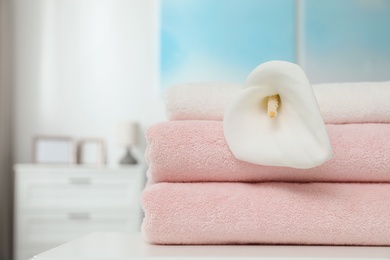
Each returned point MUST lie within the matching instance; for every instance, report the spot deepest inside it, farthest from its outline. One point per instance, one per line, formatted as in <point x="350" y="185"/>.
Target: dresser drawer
<point x="79" y="191"/>
<point x="55" y="229"/>
<point x="37" y="234"/>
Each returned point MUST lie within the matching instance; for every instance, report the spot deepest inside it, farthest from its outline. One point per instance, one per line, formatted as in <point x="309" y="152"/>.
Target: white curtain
<point x="6" y="178"/>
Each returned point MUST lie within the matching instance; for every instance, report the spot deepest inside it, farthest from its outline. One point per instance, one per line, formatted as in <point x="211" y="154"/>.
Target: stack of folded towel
<point x="199" y="193"/>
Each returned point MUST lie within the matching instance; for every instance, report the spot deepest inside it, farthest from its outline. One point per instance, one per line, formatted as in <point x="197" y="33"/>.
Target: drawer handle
<point x="79" y="216"/>
<point x="83" y="181"/>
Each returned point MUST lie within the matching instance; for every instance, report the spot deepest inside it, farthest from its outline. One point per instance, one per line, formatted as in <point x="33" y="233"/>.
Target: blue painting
<point x="346" y="40"/>
<point x="223" y="40"/>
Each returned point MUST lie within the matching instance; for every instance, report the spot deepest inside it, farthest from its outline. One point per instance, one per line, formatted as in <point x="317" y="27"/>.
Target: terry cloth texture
<point x="196" y="151"/>
<point x="340" y="103"/>
<point x="267" y="213"/>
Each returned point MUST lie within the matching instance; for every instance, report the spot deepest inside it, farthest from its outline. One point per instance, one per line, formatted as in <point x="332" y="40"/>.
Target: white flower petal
<point x="296" y="137"/>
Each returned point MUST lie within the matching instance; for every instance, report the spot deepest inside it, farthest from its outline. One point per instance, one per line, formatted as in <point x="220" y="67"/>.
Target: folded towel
<point x="196" y="151"/>
<point x="363" y="102"/>
<point x="199" y="100"/>
<point x="267" y="213"/>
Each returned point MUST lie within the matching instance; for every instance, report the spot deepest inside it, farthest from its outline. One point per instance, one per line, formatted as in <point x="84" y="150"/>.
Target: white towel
<point x="340" y="103"/>
<point x="203" y="101"/>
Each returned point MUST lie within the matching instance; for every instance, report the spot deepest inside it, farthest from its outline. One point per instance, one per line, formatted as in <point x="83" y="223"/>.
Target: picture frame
<point x="53" y="150"/>
<point x="91" y="151"/>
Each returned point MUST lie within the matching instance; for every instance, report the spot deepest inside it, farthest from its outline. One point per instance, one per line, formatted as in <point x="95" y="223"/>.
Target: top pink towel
<point x="196" y="151"/>
<point x="340" y="103"/>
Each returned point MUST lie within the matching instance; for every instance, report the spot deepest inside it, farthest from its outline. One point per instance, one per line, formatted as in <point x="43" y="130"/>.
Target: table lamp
<point x="128" y="137"/>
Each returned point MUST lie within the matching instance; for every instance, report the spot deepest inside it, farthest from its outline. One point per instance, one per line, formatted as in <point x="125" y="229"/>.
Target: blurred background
<point x="78" y="68"/>
<point x="334" y="41"/>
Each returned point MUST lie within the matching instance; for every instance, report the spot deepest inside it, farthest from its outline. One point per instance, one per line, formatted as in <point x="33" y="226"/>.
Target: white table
<point x="126" y="246"/>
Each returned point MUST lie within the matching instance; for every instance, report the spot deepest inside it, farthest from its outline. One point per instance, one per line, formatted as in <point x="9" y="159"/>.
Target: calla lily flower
<point x="276" y="120"/>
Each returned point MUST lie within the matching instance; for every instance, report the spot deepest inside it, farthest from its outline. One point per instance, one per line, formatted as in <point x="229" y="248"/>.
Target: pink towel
<point x="267" y="213"/>
<point x="196" y="151"/>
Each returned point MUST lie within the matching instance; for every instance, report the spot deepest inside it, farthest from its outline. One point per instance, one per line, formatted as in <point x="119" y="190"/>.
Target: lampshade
<point x="128" y="133"/>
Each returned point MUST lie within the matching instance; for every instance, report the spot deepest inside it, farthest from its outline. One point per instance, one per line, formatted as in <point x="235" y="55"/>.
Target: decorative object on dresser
<point x="53" y="150"/>
<point x="91" y="151"/>
<point x="128" y="137"/>
<point x="57" y="203"/>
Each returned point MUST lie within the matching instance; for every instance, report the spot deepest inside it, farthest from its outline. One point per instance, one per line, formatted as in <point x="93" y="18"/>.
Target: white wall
<point x="83" y="66"/>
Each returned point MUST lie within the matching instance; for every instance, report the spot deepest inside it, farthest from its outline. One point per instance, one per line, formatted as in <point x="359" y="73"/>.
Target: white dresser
<point x="55" y="204"/>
